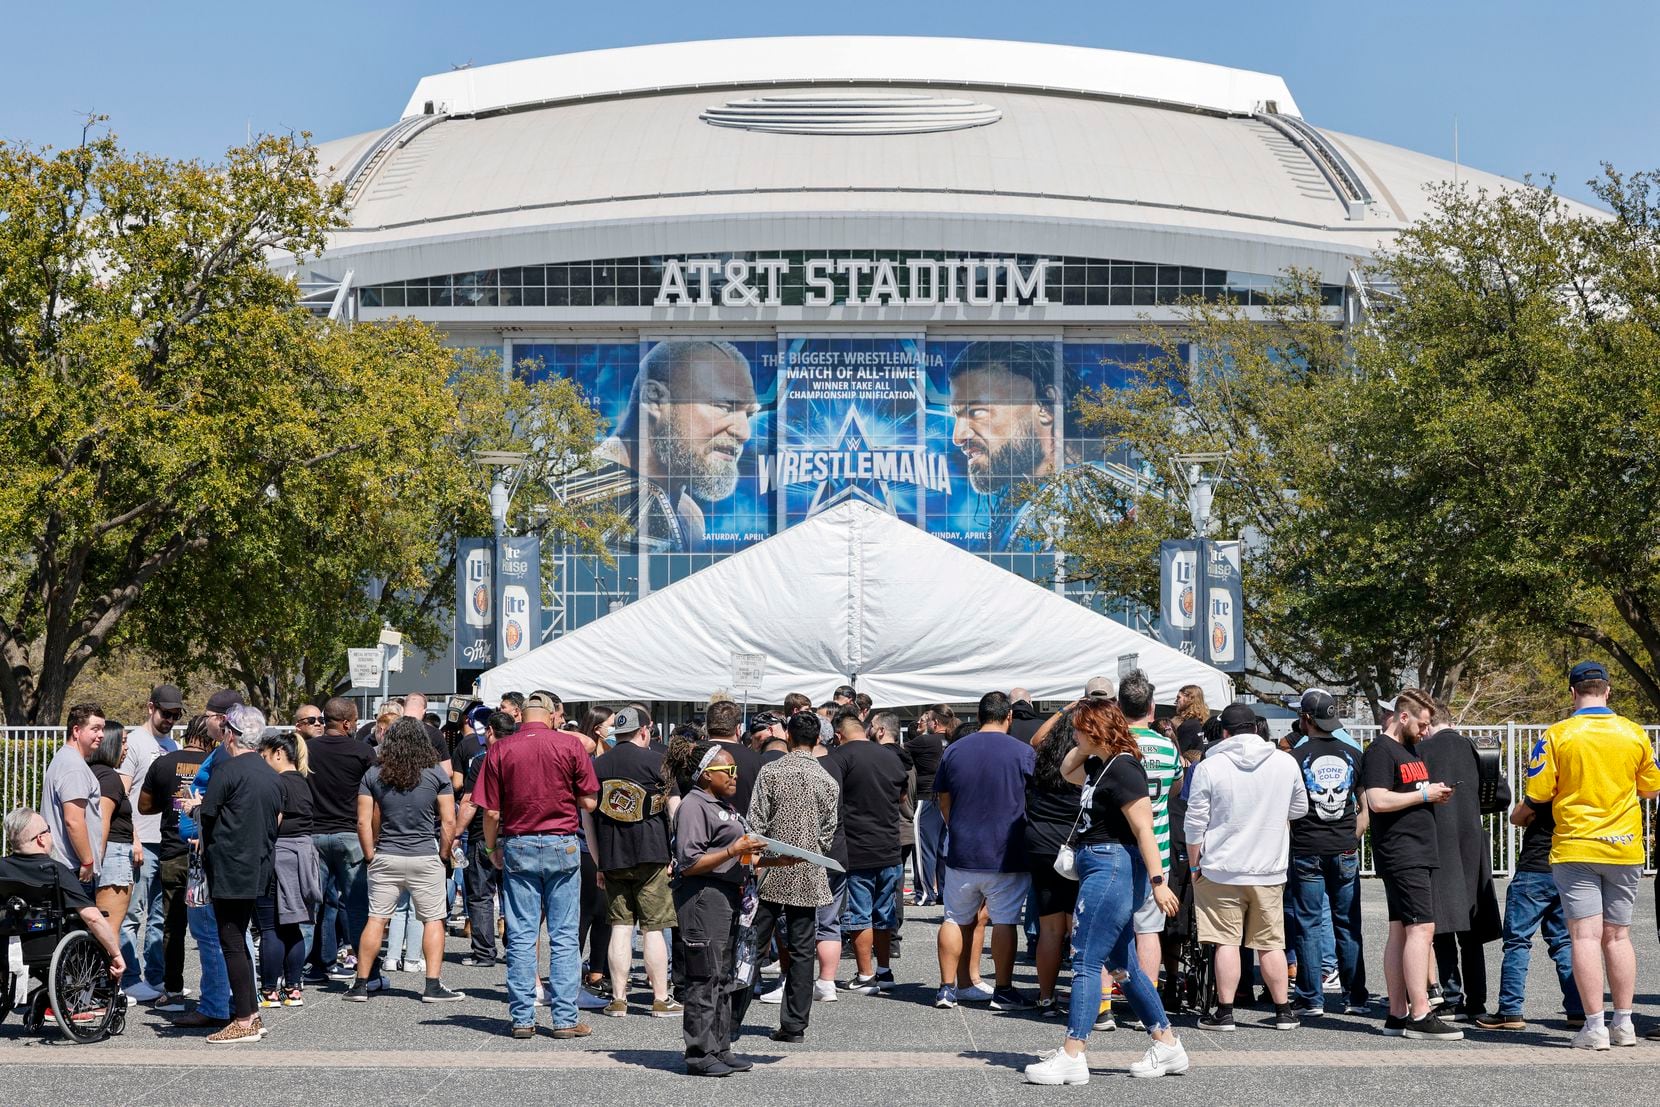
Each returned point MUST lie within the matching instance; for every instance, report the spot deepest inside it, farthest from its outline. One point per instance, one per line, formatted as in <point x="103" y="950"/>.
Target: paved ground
<point x="893" y="1049"/>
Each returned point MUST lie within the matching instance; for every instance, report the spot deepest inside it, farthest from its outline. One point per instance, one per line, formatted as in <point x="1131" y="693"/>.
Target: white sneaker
<point x="416" y="965"/>
<point x="1058" y="1068"/>
<point x="774" y="996"/>
<point x="1622" y="1035"/>
<point x="1592" y="1039"/>
<point x="1161" y="1060"/>
<point x="976" y="993"/>
<point x="144" y="993"/>
<point x="541" y="994"/>
<point x="824" y="991"/>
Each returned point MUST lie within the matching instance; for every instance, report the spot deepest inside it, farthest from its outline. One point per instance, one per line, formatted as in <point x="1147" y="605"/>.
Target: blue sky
<point x="1536" y="87"/>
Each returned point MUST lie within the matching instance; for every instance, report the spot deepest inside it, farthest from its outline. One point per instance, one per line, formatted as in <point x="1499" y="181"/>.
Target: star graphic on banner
<point x="852" y="439"/>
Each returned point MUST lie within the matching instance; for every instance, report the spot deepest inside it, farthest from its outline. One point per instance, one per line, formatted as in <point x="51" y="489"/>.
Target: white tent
<point x="851" y="595"/>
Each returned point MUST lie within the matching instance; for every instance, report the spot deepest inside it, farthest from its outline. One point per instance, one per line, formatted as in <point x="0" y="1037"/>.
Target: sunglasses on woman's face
<point x="729" y="770"/>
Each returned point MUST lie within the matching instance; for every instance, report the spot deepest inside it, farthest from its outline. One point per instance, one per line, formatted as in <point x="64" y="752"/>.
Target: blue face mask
<point x="610" y="735"/>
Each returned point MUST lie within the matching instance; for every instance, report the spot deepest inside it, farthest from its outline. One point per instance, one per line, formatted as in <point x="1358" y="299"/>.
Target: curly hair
<point x="681" y="762"/>
<point x="405" y="753"/>
<point x="1101" y="721"/>
<point x="1046" y="777"/>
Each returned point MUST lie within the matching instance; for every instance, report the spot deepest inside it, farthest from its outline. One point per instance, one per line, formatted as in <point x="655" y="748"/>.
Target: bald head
<point x="1016" y="695"/>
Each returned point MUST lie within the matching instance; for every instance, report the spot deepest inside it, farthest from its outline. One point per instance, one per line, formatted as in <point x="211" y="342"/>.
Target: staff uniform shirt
<point x="702" y="825"/>
<point x="1592" y="764"/>
<point x="533" y="778"/>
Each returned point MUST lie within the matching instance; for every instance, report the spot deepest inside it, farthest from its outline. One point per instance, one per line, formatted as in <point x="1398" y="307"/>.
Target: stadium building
<point x="791" y="272"/>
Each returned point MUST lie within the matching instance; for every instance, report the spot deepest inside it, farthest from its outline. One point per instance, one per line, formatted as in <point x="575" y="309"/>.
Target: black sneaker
<point x="1395" y="1025"/>
<point x="357" y="993"/>
<point x="1430" y="1028"/>
<point x="1303" y="1009"/>
<point x="1009" y="999"/>
<point x="1284" y="1019"/>
<point x="341" y="971"/>
<point x="1222" y="1023"/>
<point x="437" y="993"/>
<point x="863" y="985"/>
<point x="1501" y="1021"/>
<point x="1436" y="997"/>
<point x="734" y="1062"/>
<point x="884" y="977"/>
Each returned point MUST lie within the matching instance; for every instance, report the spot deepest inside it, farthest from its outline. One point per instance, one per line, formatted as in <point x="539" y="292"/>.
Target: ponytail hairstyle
<point x="288" y="744"/>
<point x="680" y="764"/>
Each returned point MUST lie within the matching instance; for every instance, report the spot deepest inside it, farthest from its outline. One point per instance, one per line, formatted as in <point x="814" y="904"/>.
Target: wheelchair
<point x="66" y="971"/>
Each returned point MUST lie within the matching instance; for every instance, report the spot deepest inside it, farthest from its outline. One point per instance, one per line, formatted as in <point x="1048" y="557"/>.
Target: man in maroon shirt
<point x="532" y="786"/>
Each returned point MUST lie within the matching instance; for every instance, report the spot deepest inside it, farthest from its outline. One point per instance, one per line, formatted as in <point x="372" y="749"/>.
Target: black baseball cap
<point x="764" y="718"/>
<point x="1587" y="670"/>
<point x="1238" y="718"/>
<point x="1321" y="709"/>
<point x="167" y="697"/>
<point x="222" y="701"/>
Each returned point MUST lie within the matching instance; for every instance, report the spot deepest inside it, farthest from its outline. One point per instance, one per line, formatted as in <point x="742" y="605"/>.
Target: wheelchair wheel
<point x="84" y="994"/>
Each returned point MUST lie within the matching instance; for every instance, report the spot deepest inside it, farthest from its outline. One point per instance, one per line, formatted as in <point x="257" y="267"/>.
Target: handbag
<point x="1066" y="860"/>
<point x="196" y="886"/>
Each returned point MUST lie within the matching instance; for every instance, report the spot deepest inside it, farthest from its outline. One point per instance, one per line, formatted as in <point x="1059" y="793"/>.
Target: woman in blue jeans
<point x="1117" y="856"/>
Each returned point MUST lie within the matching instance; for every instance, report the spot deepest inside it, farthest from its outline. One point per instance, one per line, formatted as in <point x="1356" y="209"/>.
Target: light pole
<point x="506" y="467"/>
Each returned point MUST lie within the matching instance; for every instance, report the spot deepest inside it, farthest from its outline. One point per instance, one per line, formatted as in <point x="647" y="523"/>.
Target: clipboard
<point x="784" y="849"/>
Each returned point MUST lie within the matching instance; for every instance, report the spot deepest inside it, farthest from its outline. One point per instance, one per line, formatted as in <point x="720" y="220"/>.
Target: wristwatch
<point x="1156" y="881"/>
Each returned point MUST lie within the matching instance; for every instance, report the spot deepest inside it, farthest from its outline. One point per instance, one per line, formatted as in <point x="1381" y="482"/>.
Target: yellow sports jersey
<point x="1590" y="766"/>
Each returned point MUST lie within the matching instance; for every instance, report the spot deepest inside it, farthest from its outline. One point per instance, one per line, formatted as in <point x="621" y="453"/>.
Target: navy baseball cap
<point x="1587" y="670"/>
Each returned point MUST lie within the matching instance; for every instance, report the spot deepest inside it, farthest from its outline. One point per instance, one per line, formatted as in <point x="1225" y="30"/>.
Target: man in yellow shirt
<point x="1595" y="766"/>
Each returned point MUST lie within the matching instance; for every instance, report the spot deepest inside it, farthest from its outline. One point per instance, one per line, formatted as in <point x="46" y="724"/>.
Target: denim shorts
<point x="116" y="870"/>
<point x="873" y="899"/>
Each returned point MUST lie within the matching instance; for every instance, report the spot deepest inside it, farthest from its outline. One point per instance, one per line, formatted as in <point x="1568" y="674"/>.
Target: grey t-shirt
<point x="69" y="778"/>
<point x="142" y="751"/>
<point x="408" y="820"/>
<point x="703" y="824"/>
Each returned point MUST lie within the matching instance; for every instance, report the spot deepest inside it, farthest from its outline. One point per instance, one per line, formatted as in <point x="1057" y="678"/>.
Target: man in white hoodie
<point x="1239" y="810"/>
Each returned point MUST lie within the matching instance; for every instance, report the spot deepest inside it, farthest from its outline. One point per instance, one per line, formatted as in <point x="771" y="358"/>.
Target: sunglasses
<point x="729" y="770"/>
<point x="309" y="721"/>
<point x="170" y="715"/>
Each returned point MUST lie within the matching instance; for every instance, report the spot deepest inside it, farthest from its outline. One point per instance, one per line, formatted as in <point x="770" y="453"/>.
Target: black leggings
<point x="234" y="916"/>
<point x="281" y="947"/>
<point x="594" y="922"/>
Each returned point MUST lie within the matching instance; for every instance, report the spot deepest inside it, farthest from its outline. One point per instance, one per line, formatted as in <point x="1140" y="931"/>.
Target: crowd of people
<point x="334" y="853"/>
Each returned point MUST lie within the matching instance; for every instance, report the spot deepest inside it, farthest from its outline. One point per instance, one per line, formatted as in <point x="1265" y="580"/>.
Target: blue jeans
<point x="345" y="879"/>
<point x="1532" y="903"/>
<point x="542" y="876"/>
<point x="930" y="835"/>
<point x="1112" y="883"/>
<point x="1312" y="883"/>
<point x="215" y="998"/>
<point x="873" y="899"/>
<point x="401" y="930"/>
<point x="146" y="910"/>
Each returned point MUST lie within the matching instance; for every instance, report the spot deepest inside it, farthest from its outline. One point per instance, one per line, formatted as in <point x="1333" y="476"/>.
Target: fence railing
<point x="25" y="751"/>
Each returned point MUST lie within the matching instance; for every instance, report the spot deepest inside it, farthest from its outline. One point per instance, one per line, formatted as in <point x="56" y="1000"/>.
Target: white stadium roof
<point x="894" y="143"/>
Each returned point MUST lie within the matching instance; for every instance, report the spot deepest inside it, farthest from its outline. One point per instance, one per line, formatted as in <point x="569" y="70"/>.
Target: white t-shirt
<point x="142" y="751"/>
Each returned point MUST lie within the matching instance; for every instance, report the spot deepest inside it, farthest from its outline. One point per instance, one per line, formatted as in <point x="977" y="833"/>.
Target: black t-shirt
<point x="469" y="780"/>
<point x="39" y="870"/>
<point x="926" y="751"/>
<point x="1329" y="769"/>
<point x="168" y="782"/>
<point x="1050" y="816"/>
<point x="440" y="744"/>
<point x="749" y="763"/>
<point x="1024" y="720"/>
<point x="872" y="778"/>
<point x="631" y="823"/>
<point x="338" y="762"/>
<point x="1534" y="855"/>
<point x="470" y="746"/>
<point x="1401" y="839"/>
<point x="1103" y="798"/>
<point x="121" y="824"/>
<point x="296" y="805"/>
<point x="1190" y="735"/>
<point x="239" y="826"/>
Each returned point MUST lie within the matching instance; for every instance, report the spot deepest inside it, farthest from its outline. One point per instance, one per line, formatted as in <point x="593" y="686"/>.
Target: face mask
<point x="610" y="735"/>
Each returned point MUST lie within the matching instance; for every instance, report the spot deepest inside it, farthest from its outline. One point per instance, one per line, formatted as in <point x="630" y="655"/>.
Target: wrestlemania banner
<point x="713" y="444"/>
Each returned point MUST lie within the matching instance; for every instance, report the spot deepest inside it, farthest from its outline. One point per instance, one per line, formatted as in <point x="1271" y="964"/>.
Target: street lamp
<point x="505" y="466"/>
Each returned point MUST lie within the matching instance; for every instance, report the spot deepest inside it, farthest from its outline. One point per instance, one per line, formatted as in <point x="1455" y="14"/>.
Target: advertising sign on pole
<point x="519" y="597"/>
<point x="1179" y="601"/>
<point x="1224" y="607"/>
<point x="475" y="605"/>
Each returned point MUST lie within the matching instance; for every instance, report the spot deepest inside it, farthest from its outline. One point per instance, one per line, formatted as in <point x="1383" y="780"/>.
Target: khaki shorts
<point x="640" y="896"/>
<point x="1250" y="915"/>
<point x="391" y="875"/>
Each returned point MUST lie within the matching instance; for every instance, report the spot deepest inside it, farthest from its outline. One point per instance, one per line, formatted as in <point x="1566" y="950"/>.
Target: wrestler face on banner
<point x="1003" y="416"/>
<point x="696" y="400"/>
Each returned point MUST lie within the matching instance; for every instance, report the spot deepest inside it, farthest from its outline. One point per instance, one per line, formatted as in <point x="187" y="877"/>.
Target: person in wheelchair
<point x="32" y="886"/>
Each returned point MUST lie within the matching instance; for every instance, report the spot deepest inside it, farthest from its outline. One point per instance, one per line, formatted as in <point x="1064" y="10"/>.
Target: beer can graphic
<point x="477" y="570"/>
<point x="515" y="613"/>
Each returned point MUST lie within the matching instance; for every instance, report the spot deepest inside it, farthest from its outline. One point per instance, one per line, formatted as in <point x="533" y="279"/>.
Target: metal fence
<point x="25" y="752"/>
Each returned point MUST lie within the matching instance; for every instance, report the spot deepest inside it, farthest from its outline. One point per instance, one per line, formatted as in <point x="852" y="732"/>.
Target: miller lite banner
<point x="475" y="604"/>
<point x="1201" y="608"/>
<point x="519" y="597"/>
